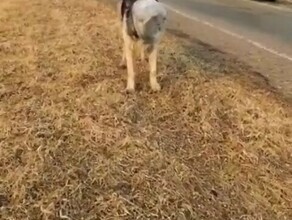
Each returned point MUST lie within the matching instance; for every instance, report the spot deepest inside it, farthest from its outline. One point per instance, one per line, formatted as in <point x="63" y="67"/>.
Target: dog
<point x="143" y="24"/>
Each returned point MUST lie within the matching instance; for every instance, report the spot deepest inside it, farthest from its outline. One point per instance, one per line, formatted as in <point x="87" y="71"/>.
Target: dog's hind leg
<point x="153" y="50"/>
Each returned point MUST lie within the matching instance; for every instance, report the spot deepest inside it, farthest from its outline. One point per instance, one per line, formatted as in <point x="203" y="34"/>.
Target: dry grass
<point x="74" y="146"/>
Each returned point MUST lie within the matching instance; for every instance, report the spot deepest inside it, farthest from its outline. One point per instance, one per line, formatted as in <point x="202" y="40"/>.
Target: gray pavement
<point x="256" y="33"/>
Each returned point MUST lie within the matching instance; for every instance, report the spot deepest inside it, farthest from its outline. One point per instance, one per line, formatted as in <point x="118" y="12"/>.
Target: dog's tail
<point x="153" y="27"/>
<point x="149" y="19"/>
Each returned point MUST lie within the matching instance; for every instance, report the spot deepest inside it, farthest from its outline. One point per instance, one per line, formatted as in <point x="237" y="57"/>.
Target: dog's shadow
<point x="189" y="57"/>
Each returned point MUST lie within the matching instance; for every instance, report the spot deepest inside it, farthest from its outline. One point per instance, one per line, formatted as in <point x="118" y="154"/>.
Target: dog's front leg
<point x="128" y="47"/>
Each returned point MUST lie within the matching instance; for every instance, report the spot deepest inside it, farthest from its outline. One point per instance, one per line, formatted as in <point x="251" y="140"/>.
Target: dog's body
<point x="143" y="23"/>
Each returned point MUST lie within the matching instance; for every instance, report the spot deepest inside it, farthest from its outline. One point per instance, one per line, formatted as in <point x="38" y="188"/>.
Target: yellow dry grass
<point x="73" y="145"/>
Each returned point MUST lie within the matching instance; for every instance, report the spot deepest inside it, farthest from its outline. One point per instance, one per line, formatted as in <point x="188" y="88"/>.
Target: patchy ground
<point x="73" y="145"/>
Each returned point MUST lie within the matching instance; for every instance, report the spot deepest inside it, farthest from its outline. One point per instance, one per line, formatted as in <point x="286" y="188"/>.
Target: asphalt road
<point x="248" y="16"/>
<point x="259" y="34"/>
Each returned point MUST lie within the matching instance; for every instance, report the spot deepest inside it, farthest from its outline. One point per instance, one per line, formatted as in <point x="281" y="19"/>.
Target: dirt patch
<point x="73" y="145"/>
